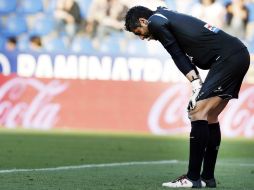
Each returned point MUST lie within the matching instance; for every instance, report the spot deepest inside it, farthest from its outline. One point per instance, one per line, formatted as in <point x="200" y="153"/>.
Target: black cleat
<point x="210" y="183"/>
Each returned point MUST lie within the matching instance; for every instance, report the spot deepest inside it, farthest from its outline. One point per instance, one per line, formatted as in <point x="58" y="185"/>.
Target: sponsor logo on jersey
<point x="212" y="28"/>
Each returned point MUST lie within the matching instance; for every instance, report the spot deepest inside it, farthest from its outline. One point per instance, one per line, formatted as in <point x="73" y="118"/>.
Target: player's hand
<point x="196" y="86"/>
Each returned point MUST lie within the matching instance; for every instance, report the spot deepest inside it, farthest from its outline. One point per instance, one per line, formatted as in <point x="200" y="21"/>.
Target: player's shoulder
<point x="159" y="18"/>
<point x="161" y="14"/>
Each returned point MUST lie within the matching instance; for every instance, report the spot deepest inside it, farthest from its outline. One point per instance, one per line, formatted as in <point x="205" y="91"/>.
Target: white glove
<point x="196" y="86"/>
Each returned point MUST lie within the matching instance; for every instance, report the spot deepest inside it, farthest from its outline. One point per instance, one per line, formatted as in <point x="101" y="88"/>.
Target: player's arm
<point x="158" y="27"/>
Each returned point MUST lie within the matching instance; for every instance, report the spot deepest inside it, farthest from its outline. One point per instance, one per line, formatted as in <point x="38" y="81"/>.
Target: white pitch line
<point x="90" y="166"/>
<point x="117" y="164"/>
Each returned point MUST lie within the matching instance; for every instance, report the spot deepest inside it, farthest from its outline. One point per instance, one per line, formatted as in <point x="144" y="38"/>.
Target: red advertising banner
<point x="120" y="106"/>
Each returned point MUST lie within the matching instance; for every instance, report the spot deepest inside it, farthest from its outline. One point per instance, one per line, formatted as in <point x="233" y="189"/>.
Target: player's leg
<point x="214" y="113"/>
<point x="198" y="141"/>
<point x="212" y="146"/>
<point x="199" y="134"/>
<point x="224" y="79"/>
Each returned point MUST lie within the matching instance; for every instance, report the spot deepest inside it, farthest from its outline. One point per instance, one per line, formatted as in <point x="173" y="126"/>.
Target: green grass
<point x="46" y="150"/>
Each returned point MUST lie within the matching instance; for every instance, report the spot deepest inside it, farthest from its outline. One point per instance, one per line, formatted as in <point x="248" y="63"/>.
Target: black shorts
<point x="225" y="77"/>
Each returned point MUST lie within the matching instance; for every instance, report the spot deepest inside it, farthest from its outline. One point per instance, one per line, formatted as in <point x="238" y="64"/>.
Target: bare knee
<point x="208" y="109"/>
<point x="199" y="113"/>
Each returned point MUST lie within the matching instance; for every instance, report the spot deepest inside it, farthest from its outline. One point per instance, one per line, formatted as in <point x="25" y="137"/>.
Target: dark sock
<point x="211" y="151"/>
<point x="198" y="141"/>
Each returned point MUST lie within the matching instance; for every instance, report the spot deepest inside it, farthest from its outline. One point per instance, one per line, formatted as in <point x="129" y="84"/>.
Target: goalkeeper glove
<point x="196" y="86"/>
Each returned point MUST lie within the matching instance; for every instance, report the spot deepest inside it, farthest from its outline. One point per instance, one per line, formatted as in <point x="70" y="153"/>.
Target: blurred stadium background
<point x="68" y="66"/>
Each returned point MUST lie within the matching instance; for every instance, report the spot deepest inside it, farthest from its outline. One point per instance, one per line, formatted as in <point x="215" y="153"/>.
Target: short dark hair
<point x="12" y="39"/>
<point x="36" y="40"/>
<point x="133" y="15"/>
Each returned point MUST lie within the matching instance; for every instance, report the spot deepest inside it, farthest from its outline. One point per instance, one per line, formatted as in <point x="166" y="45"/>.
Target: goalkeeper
<point x="193" y="43"/>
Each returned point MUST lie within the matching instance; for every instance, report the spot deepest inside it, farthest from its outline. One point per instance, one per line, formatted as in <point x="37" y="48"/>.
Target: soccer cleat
<point x="210" y="183"/>
<point x="183" y="182"/>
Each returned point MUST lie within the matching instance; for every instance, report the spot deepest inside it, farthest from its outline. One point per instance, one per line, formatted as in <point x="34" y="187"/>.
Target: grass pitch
<point x="93" y="155"/>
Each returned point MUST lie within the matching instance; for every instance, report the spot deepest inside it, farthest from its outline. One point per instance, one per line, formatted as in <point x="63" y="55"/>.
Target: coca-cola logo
<point x="238" y="118"/>
<point x="29" y="103"/>
<point x="168" y="114"/>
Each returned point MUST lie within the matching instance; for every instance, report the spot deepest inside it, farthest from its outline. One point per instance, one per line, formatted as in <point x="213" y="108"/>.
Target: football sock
<point x="198" y="141"/>
<point x="211" y="151"/>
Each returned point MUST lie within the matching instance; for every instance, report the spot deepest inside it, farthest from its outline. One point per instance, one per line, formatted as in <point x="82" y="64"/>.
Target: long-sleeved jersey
<point x="186" y="37"/>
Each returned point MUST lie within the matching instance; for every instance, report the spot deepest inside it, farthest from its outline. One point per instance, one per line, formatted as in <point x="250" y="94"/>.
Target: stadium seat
<point x="116" y="36"/>
<point x="7" y="6"/>
<point x="225" y="2"/>
<point x="84" y="7"/>
<point x="82" y="45"/>
<point x="110" y="47"/>
<point x="55" y="45"/>
<point x="50" y="8"/>
<point x="30" y="6"/>
<point x="43" y="26"/>
<point x="137" y="47"/>
<point x="23" y="43"/>
<point x="250" y="46"/>
<point x="154" y="48"/>
<point x="1" y="24"/>
<point x="14" y="26"/>
<point x="2" y="42"/>
<point x="111" y="43"/>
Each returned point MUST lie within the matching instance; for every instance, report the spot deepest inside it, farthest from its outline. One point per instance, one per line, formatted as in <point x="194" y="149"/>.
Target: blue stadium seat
<point x="84" y="7"/>
<point x="14" y="26"/>
<point x="7" y="6"/>
<point x="23" y="43"/>
<point x="82" y="45"/>
<point x="137" y="47"/>
<point x="43" y="26"/>
<point x="224" y="2"/>
<point x="110" y="47"/>
<point x="51" y="7"/>
<point x="30" y="6"/>
<point x="250" y="7"/>
<point x="116" y="36"/>
<point x="2" y="42"/>
<point x="1" y="24"/>
<point x="250" y="46"/>
<point x="55" y="45"/>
